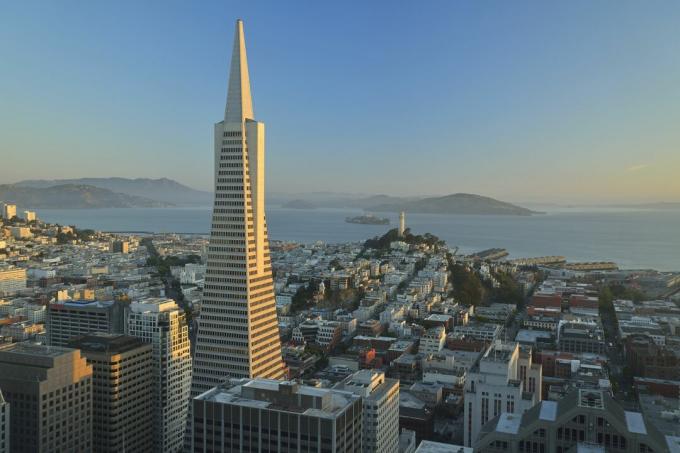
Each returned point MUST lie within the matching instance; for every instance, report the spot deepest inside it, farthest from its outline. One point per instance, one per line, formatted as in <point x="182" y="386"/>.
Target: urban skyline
<point x="508" y="90"/>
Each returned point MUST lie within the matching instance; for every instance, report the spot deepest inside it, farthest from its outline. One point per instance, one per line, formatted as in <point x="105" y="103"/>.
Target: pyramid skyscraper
<point x="238" y="334"/>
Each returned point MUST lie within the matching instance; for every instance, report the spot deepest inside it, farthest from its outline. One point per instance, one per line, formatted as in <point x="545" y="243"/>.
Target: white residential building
<point x="433" y="341"/>
<point x="12" y="280"/>
<point x="380" y="401"/>
<point x="496" y="385"/>
<point x="9" y="211"/>
<point x="163" y="324"/>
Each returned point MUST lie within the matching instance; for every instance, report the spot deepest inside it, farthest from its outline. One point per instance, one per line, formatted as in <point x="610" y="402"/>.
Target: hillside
<point x="73" y="196"/>
<point x="162" y="190"/>
<point x="459" y="203"/>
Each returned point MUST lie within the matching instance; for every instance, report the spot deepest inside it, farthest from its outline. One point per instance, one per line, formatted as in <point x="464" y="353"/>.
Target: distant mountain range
<point x="163" y="191"/>
<point x="460" y="203"/>
<point x="73" y="196"/>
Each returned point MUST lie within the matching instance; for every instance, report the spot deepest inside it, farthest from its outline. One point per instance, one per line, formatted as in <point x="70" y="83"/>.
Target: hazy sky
<point x="524" y="101"/>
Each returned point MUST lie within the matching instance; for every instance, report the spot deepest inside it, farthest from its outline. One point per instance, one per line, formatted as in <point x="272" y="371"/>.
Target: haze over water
<point x="632" y="238"/>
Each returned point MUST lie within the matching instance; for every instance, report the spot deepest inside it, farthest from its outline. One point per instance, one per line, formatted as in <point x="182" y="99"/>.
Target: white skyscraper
<point x="162" y="323"/>
<point x="495" y="386"/>
<point x="238" y="334"/>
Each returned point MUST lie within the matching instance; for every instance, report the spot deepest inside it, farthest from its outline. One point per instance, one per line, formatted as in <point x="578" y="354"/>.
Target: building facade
<point x="380" y="403"/>
<point x="4" y="424"/>
<point x="161" y="323"/>
<point x="265" y="415"/>
<point x="496" y="385"/>
<point x="49" y="390"/>
<point x="9" y="211"/>
<point x="583" y="418"/>
<point x="121" y="391"/>
<point x="70" y="319"/>
<point x="12" y="280"/>
<point x="238" y="334"/>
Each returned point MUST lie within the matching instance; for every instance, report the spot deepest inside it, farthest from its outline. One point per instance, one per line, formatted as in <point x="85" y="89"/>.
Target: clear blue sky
<point x="569" y="101"/>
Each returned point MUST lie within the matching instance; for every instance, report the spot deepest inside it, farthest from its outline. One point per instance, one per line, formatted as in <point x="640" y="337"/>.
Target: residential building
<point x="266" y="415"/>
<point x="49" y="390"/>
<point x="74" y="318"/>
<point x="12" y="280"/>
<point x="162" y="323"/>
<point x="499" y="383"/>
<point x="583" y="418"/>
<point x="238" y="282"/>
<point x="380" y="401"/>
<point x="9" y="211"/>
<point x="433" y="341"/>
<point x="121" y="391"/>
<point x="30" y="216"/>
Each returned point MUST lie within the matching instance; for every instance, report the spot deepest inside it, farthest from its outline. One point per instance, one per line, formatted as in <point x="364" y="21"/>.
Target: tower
<point x="402" y="223"/>
<point x="238" y="334"/>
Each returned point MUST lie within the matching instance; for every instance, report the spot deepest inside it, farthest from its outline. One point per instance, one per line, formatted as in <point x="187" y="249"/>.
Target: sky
<point x="524" y="101"/>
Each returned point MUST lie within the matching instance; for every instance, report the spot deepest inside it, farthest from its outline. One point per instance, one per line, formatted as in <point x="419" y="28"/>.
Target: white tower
<point x="238" y="333"/>
<point x="402" y="223"/>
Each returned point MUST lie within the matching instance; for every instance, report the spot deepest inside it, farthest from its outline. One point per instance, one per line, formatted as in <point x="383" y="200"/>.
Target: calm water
<point x="633" y="239"/>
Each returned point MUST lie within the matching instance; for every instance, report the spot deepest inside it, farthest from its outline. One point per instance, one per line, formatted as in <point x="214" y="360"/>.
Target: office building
<point x="49" y="390"/>
<point x="582" y="419"/>
<point x="12" y="280"/>
<point x="238" y="333"/>
<point x="121" y="391"/>
<point x="4" y="424"/>
<point x="503" y="381"/>
<point x="9" y="211"/>
<point x="120" y="246"/>
<point x="71" y="318"/>
<point x="433" y="341"/>
<point x="162" y="323"/>
<point x="380" y="407"/>
<point x="266" y="415"/>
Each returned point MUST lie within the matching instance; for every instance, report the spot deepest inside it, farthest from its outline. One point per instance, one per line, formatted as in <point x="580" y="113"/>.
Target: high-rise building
<point x="163" y="324"/>
<point x="266" y="415"/>
<point x="9" y="211"/>
<point x="50" y="393"/>
<point x="380" y="402"/>
<point x="584" y="420"/>
<point x="69" y="319"/>
<point x="503" y="381"/>
<point x="402" y="223"/>
<point x="4" y="424"/>
<point x="121" y="391"/>
<point x="238" y="334"/>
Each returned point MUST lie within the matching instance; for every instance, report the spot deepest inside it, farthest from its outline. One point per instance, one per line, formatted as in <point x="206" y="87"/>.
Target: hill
<point x="73" y="196"/>
<point x="459" y="203"/>
<point x="163" y="190"/>
<point x="298" y="204"/>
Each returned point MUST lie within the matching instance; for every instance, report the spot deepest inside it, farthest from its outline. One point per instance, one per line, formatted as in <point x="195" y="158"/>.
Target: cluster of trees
<point x="383" y="242"/>
<point x="83" y="235"/>
<point x="163" y="264"/>
<point x="467" y="287"/>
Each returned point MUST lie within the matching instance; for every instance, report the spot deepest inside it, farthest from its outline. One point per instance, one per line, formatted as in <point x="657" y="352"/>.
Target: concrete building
<point x="120" y="247"/>
<point x="265" y="415"/>
<point x="70" y="318"/>
<point x="584" y="418"/>
<point x="4" y="424"/>
<point x="238" y="281"/>
<point x="380" y="401"/>
<point x="30" y="216"/>
<point x="50" y="393"/>
<point x="9" y="211"/>
<point x="121" y="391"/>
<point x="162" y="323"/>
<point x="433" y="341"/>
<point x="12" y="280"/>
<point x="428" y="446"/>
<point x="581" y="336"/>
<point x="499" y="384"/>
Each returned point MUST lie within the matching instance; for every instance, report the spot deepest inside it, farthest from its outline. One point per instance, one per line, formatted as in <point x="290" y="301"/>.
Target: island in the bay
<point x="368" y="219"/>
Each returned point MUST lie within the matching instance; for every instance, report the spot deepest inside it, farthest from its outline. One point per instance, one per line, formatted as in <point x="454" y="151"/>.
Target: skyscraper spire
<point x="238" y="332"/>
<point x="239" y="101"/>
